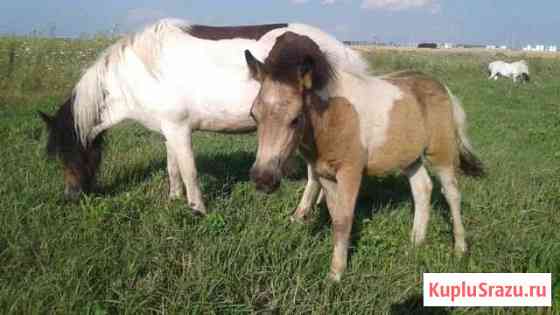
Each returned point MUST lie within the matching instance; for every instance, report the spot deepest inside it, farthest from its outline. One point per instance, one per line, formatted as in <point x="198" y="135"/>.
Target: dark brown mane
<point x="63" y="140"/>
<point x="254" y="32"/>
<point x="290" y="52"/>
<point x="64" y="143"/>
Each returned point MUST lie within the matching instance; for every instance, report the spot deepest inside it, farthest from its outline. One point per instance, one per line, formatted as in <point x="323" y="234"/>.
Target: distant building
<point x="490" y="46"/>
<point x="427" y="45"/>
<point x="537" y="48"/>
<point x="552" y="48"/>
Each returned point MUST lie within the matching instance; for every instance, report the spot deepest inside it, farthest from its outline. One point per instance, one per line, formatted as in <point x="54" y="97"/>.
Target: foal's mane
<point x="290" y="52"/>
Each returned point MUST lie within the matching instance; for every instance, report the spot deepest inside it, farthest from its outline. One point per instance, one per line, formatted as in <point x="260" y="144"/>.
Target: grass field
<point x="127" y="249"/>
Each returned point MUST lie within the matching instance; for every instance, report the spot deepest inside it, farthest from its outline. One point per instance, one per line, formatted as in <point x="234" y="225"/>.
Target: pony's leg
<point x="312" y="188"/>
<point x="452" y="194"/>
<point x="175" y="186"/>
<point x="179" y="141"/>
<point x="341" y="200"/>
<point x="320" y="198"/>
<point x="421" y="186"/>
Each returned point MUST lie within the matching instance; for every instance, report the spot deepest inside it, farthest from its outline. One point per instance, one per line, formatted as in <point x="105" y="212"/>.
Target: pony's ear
<point x="46" y="118"/>
<point x="256" y="68"/>
<point x="306" y="73"/>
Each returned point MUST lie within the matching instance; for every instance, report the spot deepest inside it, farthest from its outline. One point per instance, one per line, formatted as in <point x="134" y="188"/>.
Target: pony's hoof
<point x="296" y="219"/>
<point x="176" y="194"/>
<point x="335" y="276"/>
<point x="417" y="240"/>
<point x="198" y="213"/>
<point x="174" y="197"/>
<point x="460" y="249"/>
<point x="299" y="217"/>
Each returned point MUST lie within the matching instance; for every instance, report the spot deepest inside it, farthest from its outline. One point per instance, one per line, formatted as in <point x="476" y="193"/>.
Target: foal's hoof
<point x="460" y="249"/>
<point x="296" y="219"/>
<point x="335" y="276"/>
<point x="299" y="217"/>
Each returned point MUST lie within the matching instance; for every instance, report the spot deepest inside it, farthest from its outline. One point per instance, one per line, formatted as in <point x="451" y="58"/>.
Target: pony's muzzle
<point x="266" y="181"/>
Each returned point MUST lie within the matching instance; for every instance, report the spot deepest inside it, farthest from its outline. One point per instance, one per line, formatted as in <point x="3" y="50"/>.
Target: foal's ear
<point x="46" y="118"/>
<point x="256" y="68"/>
<point x="306" y="73"/>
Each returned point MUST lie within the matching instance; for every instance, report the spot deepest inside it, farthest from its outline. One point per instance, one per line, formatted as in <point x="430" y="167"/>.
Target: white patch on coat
<point x="373" y="99"/>
<point x="163" y="75"/>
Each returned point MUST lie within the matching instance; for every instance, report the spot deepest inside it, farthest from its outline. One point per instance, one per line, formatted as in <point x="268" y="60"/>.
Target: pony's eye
<point x="296" y="121"/>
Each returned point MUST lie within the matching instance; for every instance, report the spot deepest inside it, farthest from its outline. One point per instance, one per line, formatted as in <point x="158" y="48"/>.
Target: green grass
<point x="128" y="249"/>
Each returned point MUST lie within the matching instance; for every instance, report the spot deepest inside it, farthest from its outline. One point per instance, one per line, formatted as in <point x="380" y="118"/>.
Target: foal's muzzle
<point x="266" y="181"/>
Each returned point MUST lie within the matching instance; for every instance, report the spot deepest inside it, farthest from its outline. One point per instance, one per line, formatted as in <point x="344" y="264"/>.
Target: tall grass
<point x="128" y="249"/>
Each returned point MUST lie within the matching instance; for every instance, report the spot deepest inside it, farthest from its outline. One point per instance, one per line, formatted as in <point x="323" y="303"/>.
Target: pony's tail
<point x="88" y="98"/>
<point x="469" y="163"/>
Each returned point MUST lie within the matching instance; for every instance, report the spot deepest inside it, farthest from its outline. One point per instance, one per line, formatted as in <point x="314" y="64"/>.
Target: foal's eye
<point x="296" y="121"/>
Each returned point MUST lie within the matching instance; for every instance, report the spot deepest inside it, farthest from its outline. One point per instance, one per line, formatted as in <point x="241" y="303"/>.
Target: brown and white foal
<point x="373" y="126"/>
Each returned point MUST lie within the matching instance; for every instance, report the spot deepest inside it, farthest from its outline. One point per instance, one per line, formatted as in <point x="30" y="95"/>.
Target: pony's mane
<point x="90" y="91"/>
<point x="290" y="52"/>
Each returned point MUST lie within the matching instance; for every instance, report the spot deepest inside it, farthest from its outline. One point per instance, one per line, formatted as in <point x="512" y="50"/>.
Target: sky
<point x="499" y="22"/>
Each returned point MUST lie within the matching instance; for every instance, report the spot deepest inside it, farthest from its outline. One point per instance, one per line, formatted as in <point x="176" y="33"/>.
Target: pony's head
<point x="80" y="162"/>
<point x="295" y="67"/>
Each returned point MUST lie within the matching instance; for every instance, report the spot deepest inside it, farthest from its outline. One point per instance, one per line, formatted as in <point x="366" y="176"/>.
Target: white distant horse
<point x="513" y="70"/>
<point x="173" y="78"/>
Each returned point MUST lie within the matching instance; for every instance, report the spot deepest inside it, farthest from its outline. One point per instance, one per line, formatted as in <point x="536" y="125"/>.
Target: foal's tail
<point x="469" y="163"/>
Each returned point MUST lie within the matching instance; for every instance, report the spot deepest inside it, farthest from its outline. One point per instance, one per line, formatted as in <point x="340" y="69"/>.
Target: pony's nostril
<point x="266" y="178"/>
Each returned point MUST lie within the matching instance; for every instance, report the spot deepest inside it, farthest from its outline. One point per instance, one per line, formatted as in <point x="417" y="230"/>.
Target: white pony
<point x="173" y="78"/>
<point x="513" y="70"/>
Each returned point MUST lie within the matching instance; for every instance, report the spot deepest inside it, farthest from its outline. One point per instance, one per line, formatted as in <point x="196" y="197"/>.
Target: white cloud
<point x="298" y="1"/>
<point x="327" y="2"/>
<point x="398" y="5"/>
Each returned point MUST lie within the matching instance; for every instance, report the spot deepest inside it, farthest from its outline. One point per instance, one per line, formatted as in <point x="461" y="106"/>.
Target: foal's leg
<point x="320" y="198"/>
<point x="449" y="185"/>
<point x="341" y="201"/>
<point x="175" y="186"/>
<point x="179" y="141"/>
<point x="309" y="196"/>
<point x="421" y="186"/>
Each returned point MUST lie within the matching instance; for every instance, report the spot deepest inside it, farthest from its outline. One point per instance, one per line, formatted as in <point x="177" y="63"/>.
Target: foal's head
<point x="295" y="67"/>
<point x="80" y="163"/>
